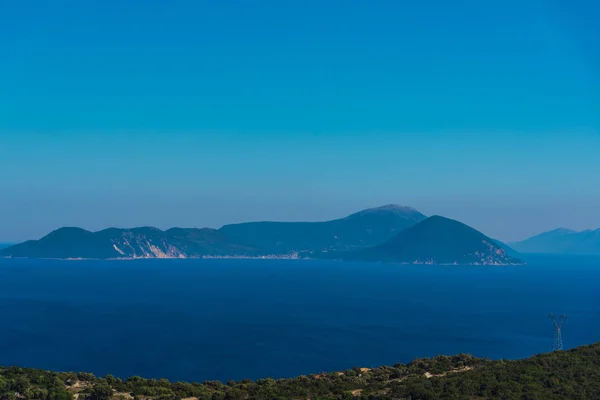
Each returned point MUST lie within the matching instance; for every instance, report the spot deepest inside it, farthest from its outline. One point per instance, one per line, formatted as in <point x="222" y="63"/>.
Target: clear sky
<point x="199" y="113"/>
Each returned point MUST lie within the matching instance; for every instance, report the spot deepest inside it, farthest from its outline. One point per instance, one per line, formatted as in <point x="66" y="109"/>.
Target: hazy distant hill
<point x="436" y="240"/>
<point x="388" y="233"/>
<point x="144" y="242"/>
<point x="4" y="245"/>
<point x="562" y="241"/>
<point x="363" y="229"/>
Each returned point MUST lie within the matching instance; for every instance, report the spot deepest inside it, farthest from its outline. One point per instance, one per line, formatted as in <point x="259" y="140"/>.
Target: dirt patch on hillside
<point x="454" y="371"/>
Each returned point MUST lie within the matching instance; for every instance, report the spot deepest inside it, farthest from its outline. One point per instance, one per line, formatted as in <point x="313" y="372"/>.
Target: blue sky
<point x="198" y="113"/>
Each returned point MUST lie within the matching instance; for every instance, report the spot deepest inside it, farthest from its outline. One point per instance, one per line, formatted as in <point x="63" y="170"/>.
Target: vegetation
<point x="573" y="374"/>
<point x="129" y="243"/>
<point x="363" y="229"/>
<point x="436" y="240"/>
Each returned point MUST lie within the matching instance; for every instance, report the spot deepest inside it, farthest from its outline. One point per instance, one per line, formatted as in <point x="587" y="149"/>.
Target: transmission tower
<point x="557" y="322"/>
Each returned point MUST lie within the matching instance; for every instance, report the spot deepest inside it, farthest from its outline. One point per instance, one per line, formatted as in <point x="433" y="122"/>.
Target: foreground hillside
<point x="573" y="374"/>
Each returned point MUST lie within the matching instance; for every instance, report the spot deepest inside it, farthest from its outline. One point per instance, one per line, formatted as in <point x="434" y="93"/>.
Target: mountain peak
<point x="391" y="209"/>
<point x="70" y="229"/>
<point x="362" y="229"/>
<point x="67" y="231"/>
<point x="563" y="231"/>
<point x="438" y="240"/>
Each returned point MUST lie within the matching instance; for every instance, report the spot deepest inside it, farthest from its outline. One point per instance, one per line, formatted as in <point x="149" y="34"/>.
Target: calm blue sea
<point x="235" y="319"/>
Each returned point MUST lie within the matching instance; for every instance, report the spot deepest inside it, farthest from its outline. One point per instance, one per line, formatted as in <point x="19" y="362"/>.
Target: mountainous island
<point x="146" y="242"/>
<point x="362" y="229"/>
<point x="436" y="240"/>
<point x="562" y="241"/>
<point x="390" y="233"/>
<point x="562" y="375"/>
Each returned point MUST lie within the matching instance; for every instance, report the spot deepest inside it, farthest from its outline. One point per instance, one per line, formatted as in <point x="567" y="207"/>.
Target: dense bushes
<point x="18" y="383"/>
<point x="573" y="374"/>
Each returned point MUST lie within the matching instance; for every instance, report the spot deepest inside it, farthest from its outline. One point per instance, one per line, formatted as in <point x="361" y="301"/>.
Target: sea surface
<point x="233" y="319"/>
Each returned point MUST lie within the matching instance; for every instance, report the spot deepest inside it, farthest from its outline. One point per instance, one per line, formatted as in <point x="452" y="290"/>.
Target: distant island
<point x="389" y="233"/>
<point x="436" y="240"/>
<point x="562" y="375"/>
<point x="562" y="241"/>
<point x="145" y="242"/>
<point x="363" y="229"/>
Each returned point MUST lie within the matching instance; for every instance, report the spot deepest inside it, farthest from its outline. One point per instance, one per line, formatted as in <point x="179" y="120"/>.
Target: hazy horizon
<point x="202" y="114"/>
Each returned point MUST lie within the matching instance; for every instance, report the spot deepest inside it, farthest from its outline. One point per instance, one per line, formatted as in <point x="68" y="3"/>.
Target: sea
<point x="223" y="319"/>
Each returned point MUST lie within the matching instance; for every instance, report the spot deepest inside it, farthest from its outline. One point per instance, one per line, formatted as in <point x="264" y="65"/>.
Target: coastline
<point x="267" y="257"/>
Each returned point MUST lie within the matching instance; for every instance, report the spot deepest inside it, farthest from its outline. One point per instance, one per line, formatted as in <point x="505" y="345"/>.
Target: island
<point x="562" y="241"/>
<point x="389" y="233"/>
<point x="436" y="240"/>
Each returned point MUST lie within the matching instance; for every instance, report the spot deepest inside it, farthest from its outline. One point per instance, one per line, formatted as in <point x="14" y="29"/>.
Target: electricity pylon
<point x="558" y="323"/>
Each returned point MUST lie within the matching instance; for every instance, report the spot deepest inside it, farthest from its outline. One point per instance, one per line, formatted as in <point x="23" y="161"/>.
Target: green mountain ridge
<point x="359" y="230"/>
<point x="144" y="242"/>
<point x="436" y="240"/>
<point x="362" y="229"/>
<point x="389" y="233"/>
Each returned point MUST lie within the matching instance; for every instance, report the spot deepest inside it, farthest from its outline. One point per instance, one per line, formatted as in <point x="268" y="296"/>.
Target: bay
<point x="223" y="319"/>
